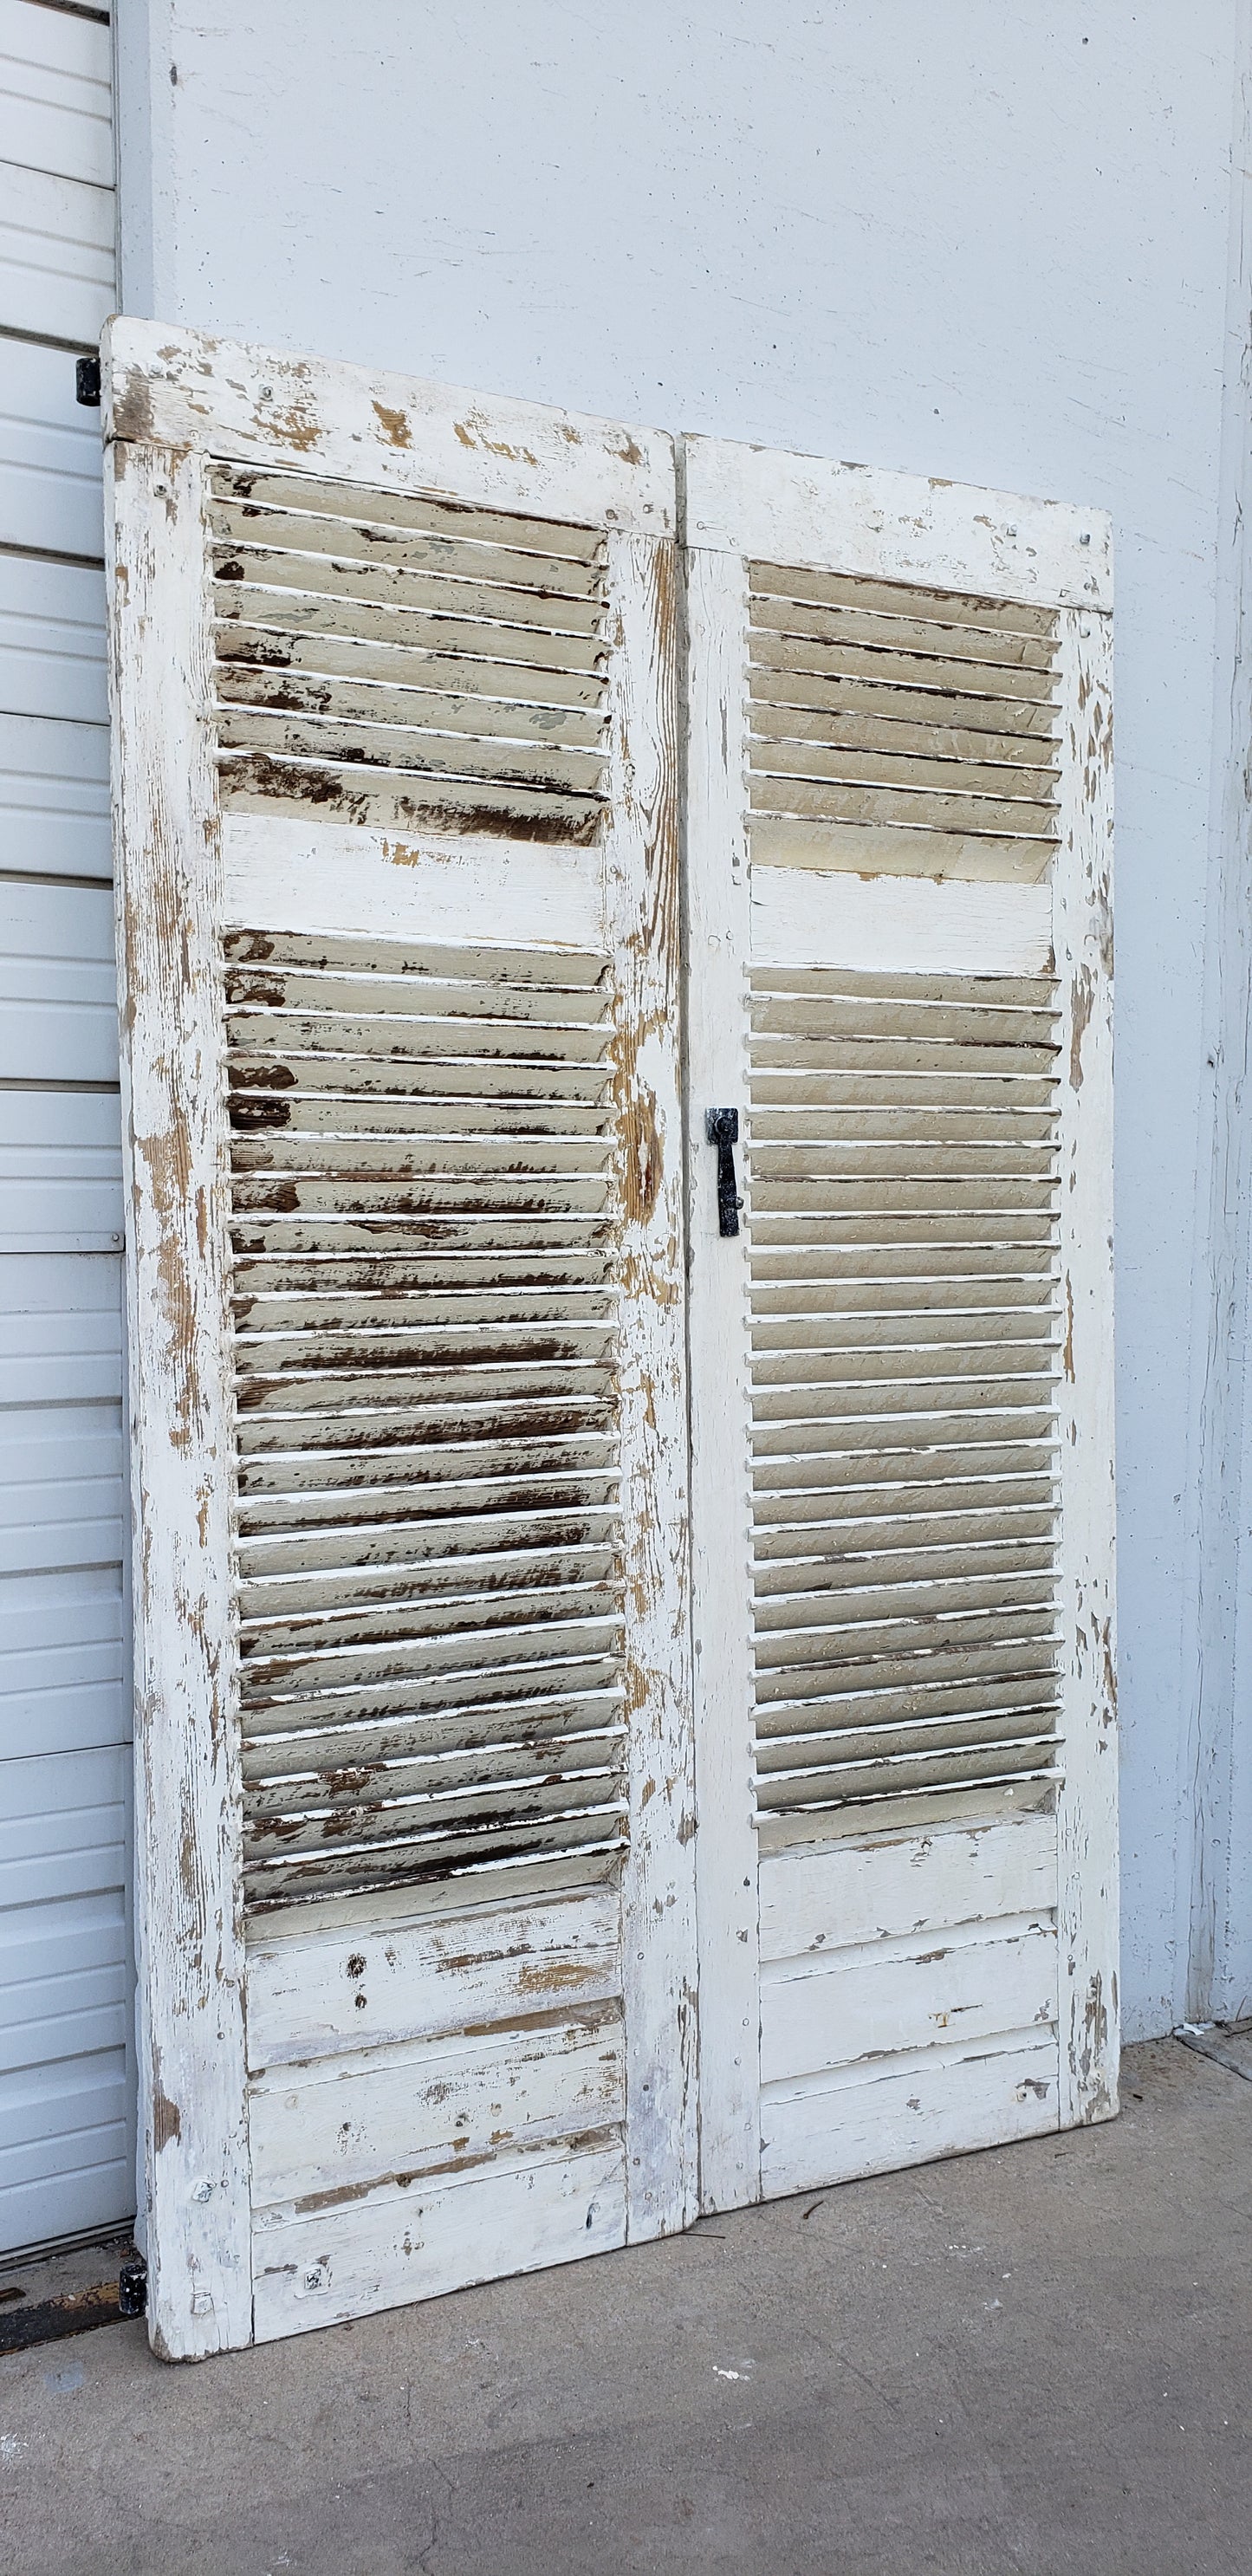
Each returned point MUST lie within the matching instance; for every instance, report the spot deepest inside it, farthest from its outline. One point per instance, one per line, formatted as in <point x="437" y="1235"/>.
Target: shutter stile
<point x="430" y="1609"/>
<point x="393" y="660"/>
<point x="903" y="1149"/>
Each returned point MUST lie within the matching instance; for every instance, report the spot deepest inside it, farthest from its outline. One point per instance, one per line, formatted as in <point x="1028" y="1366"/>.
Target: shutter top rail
<point x="295" y="414"/>
<point x="813" y="511"/>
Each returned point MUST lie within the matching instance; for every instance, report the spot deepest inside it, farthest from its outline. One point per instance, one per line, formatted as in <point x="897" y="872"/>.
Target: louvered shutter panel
<point x="899" y="818"/>
<point x="395" y="690"/>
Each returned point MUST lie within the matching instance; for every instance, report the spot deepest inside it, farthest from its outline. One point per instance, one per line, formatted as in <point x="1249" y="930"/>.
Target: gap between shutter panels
<point x="903" y="1177"/>
<point x="391" y="660"/>
<point x="424" y="1198"/>
<point x="895" y="730"/>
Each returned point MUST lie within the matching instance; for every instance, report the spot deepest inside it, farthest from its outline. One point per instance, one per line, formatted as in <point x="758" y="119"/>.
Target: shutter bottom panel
<point x="903" y="1176"/>
<point x="425" y="1350"/>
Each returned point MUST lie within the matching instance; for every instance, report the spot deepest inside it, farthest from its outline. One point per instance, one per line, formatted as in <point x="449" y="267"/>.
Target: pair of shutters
<point x="625" y="1708"/>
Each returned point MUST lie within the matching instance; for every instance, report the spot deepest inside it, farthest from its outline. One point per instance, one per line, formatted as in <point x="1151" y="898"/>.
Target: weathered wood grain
<point x="394" y="433"/>
<point x="459" y="1182"/>
<point x="883" y="1885"/>
<point x="345" y="2124"/>
<point x="718" y="936"/>
<point x="1087" y="1809"/>
<point x="862" y="521"/>
<point x="937" y="2104"/>
<point x="316" y="1990"/>
<point x="416" y="2242"/>
<point x="643" y="911"/>
<point x="176" y="1158"/>
<point x="896" y="1997"/>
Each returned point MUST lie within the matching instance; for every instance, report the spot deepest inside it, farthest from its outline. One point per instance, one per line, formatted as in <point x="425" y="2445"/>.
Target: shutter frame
<point x="175" y="1168"/>
<point x="743" y="506"/>
<point x="175" y="402"/>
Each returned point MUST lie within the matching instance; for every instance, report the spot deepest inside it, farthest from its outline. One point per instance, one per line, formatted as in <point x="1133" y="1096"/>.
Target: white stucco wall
<point x="987" y="240"/>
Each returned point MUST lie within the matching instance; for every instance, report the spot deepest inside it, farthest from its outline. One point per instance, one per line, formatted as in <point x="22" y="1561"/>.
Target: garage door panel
<point x="62" y="1668"/>
<point x="58" y="1004"/>
<point x="60" y="1171"/>
<point x="54" y="797"/>
<point x="56" y="109"/>
<point x="52" y="640"/>
<point x="66" y="2161"/>
<point x="50" y="492"/>
<point x="56" y="255"/>
<point x="63" y="1832"/>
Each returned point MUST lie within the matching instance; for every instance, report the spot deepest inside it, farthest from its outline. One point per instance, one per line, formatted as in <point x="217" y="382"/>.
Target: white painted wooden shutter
<point x="899" y="854"/>
<point x="395" y="704"/>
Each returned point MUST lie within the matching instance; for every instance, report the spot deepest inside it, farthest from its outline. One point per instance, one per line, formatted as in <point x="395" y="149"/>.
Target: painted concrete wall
<point x="986" y="240"/>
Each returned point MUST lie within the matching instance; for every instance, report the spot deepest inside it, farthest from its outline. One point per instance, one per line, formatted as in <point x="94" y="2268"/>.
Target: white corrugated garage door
<point x="66" y="2152"/>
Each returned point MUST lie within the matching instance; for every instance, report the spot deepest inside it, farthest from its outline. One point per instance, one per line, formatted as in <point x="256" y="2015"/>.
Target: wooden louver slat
<point x="405" y="662"/>
<point x="900" y="730"/>
<point x="904" y="1356"/>
<point x="425" y="1346"/>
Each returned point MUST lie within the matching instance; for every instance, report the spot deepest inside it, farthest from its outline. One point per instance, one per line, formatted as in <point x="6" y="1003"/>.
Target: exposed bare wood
<point x="812" y="841"/>
<point x="486" y="614"/>
<point x="417" y="2240"/>
<point x="643" y="904"/>
<point x="339" y="2127"/>
<point x="1020" y="728"/>
<point x="938" y="2104"/>
<point x="320" y="528"/>
<point x="195" y="2155"/>
<point x="718" y="942"/>
<point x="299" y="415"/>
<point x="1087" y="1809"/>
<point x="359" y="698"/>
<point x="400" y="747"/>
<point x="817" y="639"/>
<point x="860" y="521"/>
<point x="322" y="1991"/>
<point x="779" y="755"/>
<point x="871" y="732"/>
<point x="455" y="1345"/>
<point x="349" y="792"/>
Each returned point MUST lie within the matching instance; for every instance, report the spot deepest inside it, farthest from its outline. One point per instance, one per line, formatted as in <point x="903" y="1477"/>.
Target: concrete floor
<point x="1037" y="2359"/>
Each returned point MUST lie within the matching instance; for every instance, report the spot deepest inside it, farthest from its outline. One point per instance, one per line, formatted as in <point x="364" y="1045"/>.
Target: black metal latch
<point x="721" y="1126"/>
